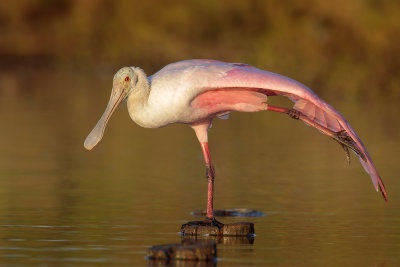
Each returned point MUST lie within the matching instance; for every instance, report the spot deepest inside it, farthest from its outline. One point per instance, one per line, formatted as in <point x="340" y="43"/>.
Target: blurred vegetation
<point x="340" y="46"/>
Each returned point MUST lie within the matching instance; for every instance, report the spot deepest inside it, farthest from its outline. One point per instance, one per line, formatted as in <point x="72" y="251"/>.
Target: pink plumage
<point x="194" y="92"/>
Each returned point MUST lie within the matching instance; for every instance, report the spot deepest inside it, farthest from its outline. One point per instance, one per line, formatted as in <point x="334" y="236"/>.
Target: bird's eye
<point x="127" y="79"/>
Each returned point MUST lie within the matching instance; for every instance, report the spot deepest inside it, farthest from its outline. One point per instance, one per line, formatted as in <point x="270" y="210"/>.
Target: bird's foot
<point x="214" y="222"/>
<point x="294" y="114"/>
<point x="207" y="222"/>
<point x="347" y="142"/>
<point x="346" y="150"/>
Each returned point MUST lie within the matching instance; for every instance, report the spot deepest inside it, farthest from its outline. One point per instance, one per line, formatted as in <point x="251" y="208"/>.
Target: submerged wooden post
<point x="216" y="228"/>
<point x="220" y="239"/>
<point x="188" y="250"/>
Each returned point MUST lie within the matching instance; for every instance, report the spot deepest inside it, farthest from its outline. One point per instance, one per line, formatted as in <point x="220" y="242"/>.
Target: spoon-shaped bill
<point x="97" y="133"/>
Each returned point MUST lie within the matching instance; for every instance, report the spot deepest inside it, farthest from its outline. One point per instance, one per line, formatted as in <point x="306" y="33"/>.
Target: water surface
<point x="63" y="205"/>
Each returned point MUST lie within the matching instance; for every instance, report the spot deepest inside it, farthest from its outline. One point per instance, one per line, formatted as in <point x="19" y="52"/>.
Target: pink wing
<point x="237" y="79"/>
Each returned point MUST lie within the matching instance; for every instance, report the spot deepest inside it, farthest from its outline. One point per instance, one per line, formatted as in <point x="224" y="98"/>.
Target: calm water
<point x="62" y="205"/>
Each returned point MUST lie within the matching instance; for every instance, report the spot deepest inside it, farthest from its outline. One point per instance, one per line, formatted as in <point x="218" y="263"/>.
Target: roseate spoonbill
<point x="194" y="92"/>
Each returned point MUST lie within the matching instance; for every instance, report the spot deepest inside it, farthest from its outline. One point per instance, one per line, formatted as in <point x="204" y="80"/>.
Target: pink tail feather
<point x="325" y="115"/>
<point x="368" y="164"/>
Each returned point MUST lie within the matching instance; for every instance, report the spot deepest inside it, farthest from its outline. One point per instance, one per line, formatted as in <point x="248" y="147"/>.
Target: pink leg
<point x="210" y="179"/>
<point x="297" y="115"/>
<point x="342" y="137"/>
<point x="201" y="130"/>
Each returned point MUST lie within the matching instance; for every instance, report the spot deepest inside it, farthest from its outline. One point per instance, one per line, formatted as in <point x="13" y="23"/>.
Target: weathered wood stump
<point x="188" y="250"/>
<point x="219" y="239"/>
<point x="216" y="228"/>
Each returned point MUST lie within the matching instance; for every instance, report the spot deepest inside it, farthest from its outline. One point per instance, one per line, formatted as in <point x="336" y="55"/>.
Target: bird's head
<point x="124" y="83"/>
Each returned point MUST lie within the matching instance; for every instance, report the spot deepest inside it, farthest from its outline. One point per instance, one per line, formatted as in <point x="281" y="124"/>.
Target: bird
<point x="194" y="92"/>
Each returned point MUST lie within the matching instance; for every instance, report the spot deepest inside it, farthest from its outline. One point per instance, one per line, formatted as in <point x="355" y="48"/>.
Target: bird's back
<point x="177" y="84"/>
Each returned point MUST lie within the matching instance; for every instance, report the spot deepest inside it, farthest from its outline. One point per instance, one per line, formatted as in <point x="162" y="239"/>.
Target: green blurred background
<point x="341" y="47"/>
<point x="57" y="60"/>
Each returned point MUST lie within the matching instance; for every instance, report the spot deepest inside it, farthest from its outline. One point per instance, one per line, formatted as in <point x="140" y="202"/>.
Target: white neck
<point x="138" y="98"/>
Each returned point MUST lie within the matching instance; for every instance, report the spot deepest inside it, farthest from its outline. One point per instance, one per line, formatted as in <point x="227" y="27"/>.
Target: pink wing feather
<point x="245" y="77"/>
